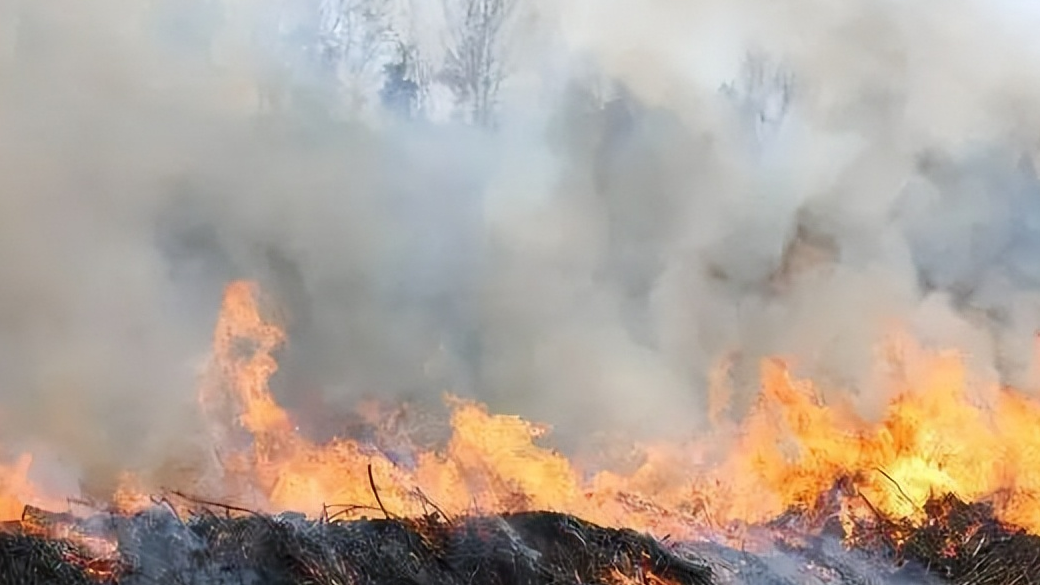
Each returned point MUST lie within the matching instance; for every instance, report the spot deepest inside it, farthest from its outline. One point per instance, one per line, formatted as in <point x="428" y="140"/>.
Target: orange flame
<point x="243" y="342"/>
<point x="935" y="437"/>
<point x="791" y="449"/>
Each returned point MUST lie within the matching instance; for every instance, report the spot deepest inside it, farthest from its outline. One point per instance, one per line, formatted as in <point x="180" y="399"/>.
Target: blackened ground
<point x="537" y="548"/>
<point x="960" y="544"/>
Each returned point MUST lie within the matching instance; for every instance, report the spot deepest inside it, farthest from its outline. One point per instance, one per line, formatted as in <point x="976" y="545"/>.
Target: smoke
<point x="670" y="185"/>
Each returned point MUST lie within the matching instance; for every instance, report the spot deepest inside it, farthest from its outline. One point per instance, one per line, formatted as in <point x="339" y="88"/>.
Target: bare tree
<point x="421" y="72"/>
<point x="355" y="33"/>
<point x="475" y="66"/>
<point x="762" y="93"/>
<point x="325" y="47"/>
<point x="406" y="82"/>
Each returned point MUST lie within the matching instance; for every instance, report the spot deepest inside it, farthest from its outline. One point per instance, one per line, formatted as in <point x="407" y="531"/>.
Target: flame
<point x="17" y="490"/>
<point x="243" y="342"/>
<point x="791" y="449"/>
<point x="491" y="462"/>
<point x="940" y="434"/>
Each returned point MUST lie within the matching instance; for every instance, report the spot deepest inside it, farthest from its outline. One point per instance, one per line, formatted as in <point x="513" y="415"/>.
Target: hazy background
<point x="573" y="210"/>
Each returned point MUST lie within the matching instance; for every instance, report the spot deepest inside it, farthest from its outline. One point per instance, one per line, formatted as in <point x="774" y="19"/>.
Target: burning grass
<point x="840" y="479"/>
<point x="963" y="543"/>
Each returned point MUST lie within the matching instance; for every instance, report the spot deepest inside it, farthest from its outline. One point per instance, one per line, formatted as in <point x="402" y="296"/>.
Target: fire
<point x="243" y="342"/>
<point x="937" y="436"/>
<point x="933" y="440"/>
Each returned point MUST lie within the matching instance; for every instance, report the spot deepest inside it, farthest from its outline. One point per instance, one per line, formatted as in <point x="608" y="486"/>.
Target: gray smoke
<point x="667" y="185"/>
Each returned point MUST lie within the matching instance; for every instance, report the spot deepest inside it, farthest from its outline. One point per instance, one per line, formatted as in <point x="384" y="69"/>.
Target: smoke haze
<point x="669" y="185"/>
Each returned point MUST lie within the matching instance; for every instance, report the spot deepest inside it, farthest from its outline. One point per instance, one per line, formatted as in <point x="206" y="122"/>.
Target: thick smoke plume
<point x="645" y="191"/>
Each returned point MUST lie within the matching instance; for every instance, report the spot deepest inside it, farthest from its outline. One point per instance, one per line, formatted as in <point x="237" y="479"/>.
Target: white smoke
<point x="651" y="202"/>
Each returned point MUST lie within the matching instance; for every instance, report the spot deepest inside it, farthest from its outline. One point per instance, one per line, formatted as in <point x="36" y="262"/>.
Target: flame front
<point x="789" y="451"/>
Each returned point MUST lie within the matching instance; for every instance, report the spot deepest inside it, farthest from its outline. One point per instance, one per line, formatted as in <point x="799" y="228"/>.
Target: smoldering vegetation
<point x="960" y="544"/>
<point x="572" y="211"/>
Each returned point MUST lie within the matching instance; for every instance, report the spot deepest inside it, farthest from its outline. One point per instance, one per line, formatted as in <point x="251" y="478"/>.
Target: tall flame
<point x="789" y="451"/>
<point x="935" y="437"/>
<point x="243" y="342"/>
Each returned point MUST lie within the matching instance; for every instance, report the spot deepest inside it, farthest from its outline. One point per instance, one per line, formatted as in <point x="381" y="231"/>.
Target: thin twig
<point x="346" y="509"/>
<point x="898" y="487"/>
<point x="225" y="507"/>
<point x="375" y="492"/>
<point x="427" y="501"/>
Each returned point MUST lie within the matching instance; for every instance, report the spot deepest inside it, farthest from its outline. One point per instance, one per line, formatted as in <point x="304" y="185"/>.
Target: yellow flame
<point x="935" y="437"/>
